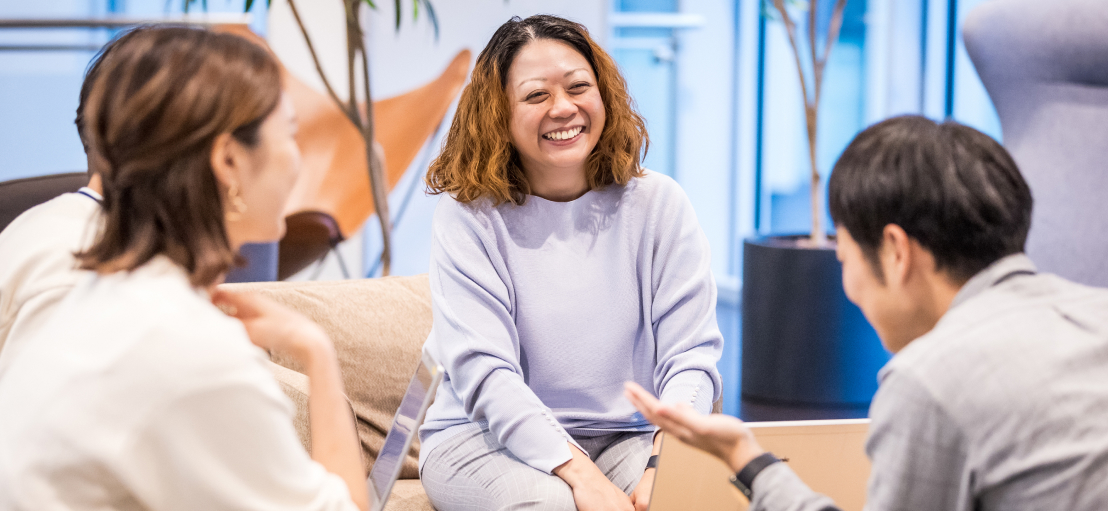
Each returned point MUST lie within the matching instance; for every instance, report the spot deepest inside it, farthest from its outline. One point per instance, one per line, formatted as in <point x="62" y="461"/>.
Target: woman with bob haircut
<point x="560" y="269"/>
<point x="140" y="393"/>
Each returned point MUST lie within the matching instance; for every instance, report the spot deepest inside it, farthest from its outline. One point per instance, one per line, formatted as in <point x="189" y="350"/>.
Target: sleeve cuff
<point x="539" y="441"/>
<point x="693" y="387"/>
<point x="778" y="487"/>
<point x="528" y="429"/>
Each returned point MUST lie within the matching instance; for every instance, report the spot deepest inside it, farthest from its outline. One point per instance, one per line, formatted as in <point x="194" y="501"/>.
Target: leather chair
<point x="331" y="199"/>
<point x="309" y="235"/>
<point x="19" y="195"/>
<point x="333" y="189"/>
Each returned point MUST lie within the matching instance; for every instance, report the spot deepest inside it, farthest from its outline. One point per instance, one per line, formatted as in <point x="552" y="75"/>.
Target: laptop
<point x="405" y="425"/>
<point x="828" y="455"/>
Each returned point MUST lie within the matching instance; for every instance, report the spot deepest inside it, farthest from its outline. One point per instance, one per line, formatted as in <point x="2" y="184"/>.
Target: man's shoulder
<point x="1005" y="374"/>
<point x="1029" y="308"/>
<point x="994" y="350"/>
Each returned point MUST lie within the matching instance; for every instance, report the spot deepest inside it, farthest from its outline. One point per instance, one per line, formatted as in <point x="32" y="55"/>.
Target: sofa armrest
<point x="378" y="327"/>
<point x="296" y="387"/>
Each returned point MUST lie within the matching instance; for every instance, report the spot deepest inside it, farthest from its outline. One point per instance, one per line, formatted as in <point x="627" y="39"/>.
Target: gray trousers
<point x="471" y="471"/>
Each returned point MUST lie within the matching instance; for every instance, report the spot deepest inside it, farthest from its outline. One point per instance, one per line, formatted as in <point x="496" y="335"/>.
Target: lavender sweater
<point x="543" y="311"/>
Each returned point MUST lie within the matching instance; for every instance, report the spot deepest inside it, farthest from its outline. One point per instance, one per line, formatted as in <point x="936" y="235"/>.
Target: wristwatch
<point x="652" y="462"/>
<point x="744" y="479"/>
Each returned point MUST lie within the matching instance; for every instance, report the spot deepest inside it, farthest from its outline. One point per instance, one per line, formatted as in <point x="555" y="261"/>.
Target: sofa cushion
<point x="295" y="385"/>
<point x="378" y="327"/>
<point x="408" y="495"/>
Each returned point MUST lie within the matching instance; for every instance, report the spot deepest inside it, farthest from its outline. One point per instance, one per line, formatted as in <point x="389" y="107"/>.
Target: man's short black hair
<point x="952" y="188"/>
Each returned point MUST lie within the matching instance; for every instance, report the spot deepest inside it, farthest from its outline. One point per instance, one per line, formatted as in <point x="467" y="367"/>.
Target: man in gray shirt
<point x="997" y="396"/>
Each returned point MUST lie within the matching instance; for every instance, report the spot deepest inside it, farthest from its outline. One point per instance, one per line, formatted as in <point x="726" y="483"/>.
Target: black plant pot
<point x="803" y="342"/>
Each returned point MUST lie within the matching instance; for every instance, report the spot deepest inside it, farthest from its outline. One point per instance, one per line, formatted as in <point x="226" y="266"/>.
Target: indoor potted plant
<point x="803" y="342"/>
<point x="361" y="118"/>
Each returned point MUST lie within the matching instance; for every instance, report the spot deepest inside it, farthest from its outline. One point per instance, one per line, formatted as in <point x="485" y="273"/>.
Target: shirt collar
<point x="1002" y="269"/>
<point x="90" y="193"/>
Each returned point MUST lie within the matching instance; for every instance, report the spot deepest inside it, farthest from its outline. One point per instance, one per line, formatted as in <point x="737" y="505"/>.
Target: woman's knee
<point x="547" y="493"/>
<point x="493" y="480"/>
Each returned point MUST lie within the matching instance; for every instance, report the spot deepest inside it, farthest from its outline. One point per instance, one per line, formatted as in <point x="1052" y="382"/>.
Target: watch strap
<point x="652" y="462"/>
<point x="744" y="479"/>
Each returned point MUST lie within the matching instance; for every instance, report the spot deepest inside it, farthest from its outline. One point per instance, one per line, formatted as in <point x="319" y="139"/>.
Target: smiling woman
<point x="540" y="68"/>
<point x="560" y="269"/>
<point x="555" y="106"/>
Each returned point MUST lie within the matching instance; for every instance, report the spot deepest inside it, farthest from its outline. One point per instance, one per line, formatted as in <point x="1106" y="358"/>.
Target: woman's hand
<point x="722" y="436"/>
<point x="640" y="496"/>
<point x="274" y="327"/>
<point x="592" y="491"/>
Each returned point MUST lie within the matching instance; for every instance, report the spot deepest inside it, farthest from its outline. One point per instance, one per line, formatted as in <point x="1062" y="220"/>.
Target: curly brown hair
<point x="478" y="158"/>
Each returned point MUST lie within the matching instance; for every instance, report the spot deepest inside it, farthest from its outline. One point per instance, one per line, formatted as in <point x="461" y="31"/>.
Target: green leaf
<point x="428" y="7"/>
<point x="249" y="4"/>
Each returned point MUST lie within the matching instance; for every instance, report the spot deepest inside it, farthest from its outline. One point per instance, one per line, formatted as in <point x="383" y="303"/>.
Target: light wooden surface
<point x="827" y="455"/>
<point x="689" y="479"/>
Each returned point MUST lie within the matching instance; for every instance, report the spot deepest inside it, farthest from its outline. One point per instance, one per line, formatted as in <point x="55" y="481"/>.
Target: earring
<point x="237" y="203"/>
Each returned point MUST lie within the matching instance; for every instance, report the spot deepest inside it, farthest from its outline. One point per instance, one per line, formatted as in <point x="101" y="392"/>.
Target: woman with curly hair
<point x="560" y="269"/>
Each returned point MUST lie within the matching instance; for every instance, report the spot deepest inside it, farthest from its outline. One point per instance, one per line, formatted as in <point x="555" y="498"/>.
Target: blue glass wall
<point x="717" y="87"/>
<point x="41" y="71"/>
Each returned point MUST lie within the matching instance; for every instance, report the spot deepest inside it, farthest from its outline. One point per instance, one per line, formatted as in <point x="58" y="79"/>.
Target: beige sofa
<point x="378" y="327"/>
